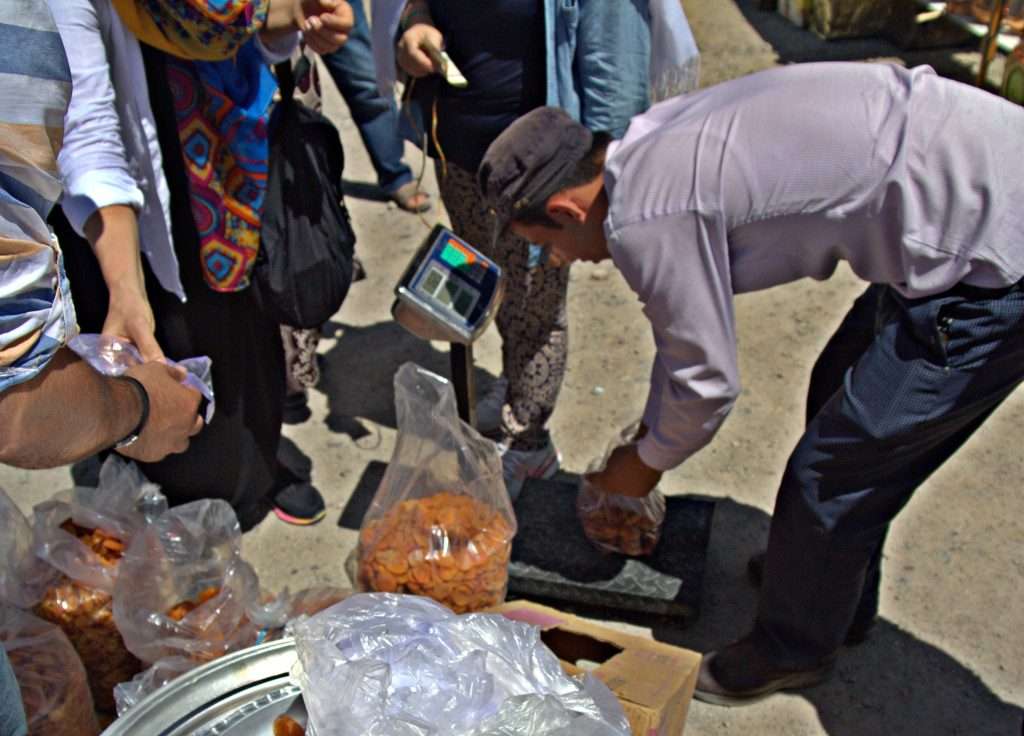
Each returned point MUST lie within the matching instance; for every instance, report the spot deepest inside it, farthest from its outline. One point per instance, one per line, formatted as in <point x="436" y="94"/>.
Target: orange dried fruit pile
<point x="448" y="546"/>
<point x="626" y="531"/>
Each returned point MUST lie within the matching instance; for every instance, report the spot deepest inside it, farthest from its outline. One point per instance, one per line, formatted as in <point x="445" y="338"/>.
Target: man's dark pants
<point x="899" y="387"/>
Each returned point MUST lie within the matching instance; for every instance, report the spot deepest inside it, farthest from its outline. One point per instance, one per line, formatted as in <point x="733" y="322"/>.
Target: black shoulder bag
<point x="304" y="266"/>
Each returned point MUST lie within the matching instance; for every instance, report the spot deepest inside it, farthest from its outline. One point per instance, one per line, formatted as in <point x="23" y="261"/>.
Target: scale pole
<point x="461" y="357"/>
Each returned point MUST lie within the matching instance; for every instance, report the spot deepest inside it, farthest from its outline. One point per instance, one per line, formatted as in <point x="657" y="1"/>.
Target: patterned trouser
<point x="532" y="319"/>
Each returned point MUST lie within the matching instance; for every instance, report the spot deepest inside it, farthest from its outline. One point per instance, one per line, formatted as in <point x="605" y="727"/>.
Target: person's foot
<point x="488" y="408"/>
<point x="296" y="408"/>
<point x="740" y="674"/>
<point x="864" y="619"/>
<point x="518" y="465"/>
<point x="299" y="503"/>
<point x="411" y="198"/>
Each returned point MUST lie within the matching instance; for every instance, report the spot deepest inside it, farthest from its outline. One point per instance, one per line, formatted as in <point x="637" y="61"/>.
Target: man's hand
<point x="412" y="48"/>
<point x="130" y="317"/>
<point x="173" y="412"/>
<point x="626" y="474"/>
<point x="325" y="24"/>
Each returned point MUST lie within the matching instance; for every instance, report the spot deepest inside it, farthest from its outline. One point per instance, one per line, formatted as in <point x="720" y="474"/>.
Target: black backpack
<point x="304" y="267"/>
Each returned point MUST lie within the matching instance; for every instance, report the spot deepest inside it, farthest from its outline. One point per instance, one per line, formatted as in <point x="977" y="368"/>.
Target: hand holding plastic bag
<point x="617" y="522"/>
<point x="112" y="357"/>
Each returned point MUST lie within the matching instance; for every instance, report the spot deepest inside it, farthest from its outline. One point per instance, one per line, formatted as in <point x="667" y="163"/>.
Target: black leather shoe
<point x="740" y="674"/>
<point x="864" y="619"/>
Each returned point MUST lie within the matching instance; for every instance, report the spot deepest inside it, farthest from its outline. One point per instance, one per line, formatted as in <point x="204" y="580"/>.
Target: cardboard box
<point x="653" y="681"/>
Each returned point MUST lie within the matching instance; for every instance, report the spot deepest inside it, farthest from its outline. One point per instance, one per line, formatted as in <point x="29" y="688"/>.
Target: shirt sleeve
<point x="678" y="265"/>
<point x="36" y="313"/>
<point x="93" y="161"/>
<point x="613" y="55"/>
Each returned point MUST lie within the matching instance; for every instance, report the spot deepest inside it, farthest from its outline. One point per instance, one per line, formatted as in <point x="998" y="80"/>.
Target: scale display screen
<point x="452" y="284"/>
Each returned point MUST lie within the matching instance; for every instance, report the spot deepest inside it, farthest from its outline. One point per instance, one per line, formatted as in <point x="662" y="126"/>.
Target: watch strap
<point x="132" y="437"/>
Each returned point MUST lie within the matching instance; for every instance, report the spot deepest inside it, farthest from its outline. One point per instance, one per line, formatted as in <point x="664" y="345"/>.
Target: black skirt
<point x="234" y="457"/>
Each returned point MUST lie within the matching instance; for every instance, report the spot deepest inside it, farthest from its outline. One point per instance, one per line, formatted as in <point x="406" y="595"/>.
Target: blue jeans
<point x="895" y="393"/>
<point x="376" y="116"/>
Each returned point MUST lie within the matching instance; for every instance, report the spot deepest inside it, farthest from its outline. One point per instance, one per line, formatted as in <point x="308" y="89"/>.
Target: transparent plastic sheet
<point x="23" y="576"/>
<point x="396" y="665"/>
<point x="615" y="523"/>
<point x="129" y="694"/>
<point x="112" y="357"/>
<point x="441" y="523"/>
<point x="50" y="675"/>
<point x="183" y="588"/>
<point x="306" y="602"/>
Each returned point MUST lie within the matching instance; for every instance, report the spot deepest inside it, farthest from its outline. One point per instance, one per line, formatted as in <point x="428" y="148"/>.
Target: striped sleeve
<point x="36" y="314"/>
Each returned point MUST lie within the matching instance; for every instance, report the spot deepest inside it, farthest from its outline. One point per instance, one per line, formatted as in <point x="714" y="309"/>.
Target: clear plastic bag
<point x="82" y="533"/>
<point x="306" y="602"/>
<point x="615" y="523"/>
<point x="396" y="665"/>
<point x="441" y="523"/>
<point x="50" y="675"/>
<point x="183" y="588"/>
<point x="112" y="357"/>
<point x="23" y="576"/>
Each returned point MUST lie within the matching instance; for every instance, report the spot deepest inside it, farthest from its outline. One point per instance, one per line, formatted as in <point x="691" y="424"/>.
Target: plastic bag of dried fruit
<point x="617" y="523"/>
<point x="50" y="675"/>
<point x="23" y="576"/>
<point x="82" y="533"/>
<point x="441" y="524"/>
<point x="184" y="589"/>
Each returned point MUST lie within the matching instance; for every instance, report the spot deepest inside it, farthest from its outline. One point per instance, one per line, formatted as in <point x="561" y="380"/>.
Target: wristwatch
<point x="132" y="437"/>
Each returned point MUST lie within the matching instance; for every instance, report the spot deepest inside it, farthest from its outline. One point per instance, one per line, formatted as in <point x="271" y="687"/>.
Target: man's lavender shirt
<point x="914" y="180"/>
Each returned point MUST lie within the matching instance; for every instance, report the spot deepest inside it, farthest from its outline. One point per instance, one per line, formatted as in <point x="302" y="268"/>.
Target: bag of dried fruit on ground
<point x="441" y="524"/>
<point x="50" y="676"/>
<point x="82" y="534"/>
<point x="49" y="672"/>
<point x="184" y="589"/>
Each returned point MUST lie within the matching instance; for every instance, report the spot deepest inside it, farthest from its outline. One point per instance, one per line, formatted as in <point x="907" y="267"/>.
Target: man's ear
<point x="565" y="210"/>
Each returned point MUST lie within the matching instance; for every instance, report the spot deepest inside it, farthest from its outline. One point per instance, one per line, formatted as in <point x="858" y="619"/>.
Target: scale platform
<point x="553" y="563"/>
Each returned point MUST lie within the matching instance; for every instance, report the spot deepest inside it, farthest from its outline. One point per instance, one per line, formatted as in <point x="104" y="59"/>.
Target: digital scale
<point x="450" y="292"/>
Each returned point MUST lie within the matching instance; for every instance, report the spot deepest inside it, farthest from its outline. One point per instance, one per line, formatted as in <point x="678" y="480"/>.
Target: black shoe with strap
<point x="864" y="619"/>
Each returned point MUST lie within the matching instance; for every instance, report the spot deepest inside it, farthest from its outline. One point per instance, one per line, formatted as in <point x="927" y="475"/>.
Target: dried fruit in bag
<point x="86" y="616"/>
<point x="622" y="524"/>
<point x="50" y="676"/>
<point x="449" y="547"/>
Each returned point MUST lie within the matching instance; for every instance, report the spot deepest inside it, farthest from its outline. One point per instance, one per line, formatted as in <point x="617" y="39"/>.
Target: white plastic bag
<point x="112" y="357"/>
<point x="23" y="576"/>
<point x="396" y="665"/>
<point x="675" y="60"/>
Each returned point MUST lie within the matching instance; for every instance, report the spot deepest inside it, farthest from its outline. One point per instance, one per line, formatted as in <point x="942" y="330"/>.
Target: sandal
<point x="411" y="198"/>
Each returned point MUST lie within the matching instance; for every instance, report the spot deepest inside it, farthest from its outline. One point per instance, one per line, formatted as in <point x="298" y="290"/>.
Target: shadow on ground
<point x="356" y="374"/>
<point x="793" y="45"/>
<point x="893" y="684"/>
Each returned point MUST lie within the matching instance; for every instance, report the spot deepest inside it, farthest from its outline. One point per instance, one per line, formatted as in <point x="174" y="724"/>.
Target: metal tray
<point x="241" y="693"/>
